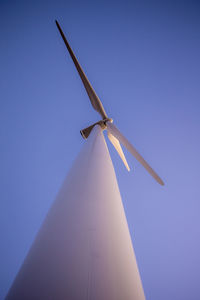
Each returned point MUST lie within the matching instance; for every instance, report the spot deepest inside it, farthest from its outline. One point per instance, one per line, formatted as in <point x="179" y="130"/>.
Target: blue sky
<point x="142" y="58"/>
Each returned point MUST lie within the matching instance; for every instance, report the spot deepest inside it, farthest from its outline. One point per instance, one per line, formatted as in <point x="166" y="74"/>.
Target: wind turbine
<point x="114" y="135"/>
<point x="83" y="250"/>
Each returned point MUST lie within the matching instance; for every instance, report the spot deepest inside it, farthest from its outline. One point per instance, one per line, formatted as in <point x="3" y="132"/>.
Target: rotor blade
<point x="113" y="130"/>
<point x="118" y="148"/>
<point x="94" y="99"/>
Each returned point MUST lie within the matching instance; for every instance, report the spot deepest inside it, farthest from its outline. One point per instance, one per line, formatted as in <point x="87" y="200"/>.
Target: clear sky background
<point x="142" y="58"/>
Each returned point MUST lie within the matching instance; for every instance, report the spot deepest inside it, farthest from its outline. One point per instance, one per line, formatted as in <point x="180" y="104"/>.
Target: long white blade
<point x="118" y="148"/>
<point x="94" y="99"/>
<point x="114" y="131"/>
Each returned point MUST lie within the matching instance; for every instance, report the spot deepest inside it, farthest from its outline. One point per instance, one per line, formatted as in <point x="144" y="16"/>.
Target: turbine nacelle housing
<point x="86" y="131"/>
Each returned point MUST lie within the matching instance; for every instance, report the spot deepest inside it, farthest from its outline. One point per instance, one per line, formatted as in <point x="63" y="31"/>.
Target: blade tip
<point x="57" y="23"/>
<point x="161" y="182"/>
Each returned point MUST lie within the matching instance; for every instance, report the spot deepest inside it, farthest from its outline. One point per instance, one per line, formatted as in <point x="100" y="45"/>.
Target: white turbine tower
<point x="83" y="249"/>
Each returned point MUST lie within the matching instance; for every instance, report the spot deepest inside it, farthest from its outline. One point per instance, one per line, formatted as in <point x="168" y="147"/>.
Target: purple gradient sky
<point x="142" y="57"/>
